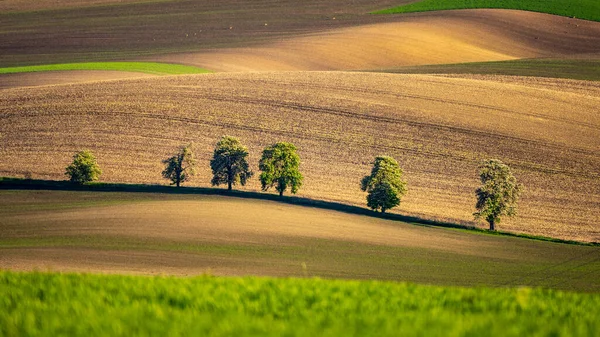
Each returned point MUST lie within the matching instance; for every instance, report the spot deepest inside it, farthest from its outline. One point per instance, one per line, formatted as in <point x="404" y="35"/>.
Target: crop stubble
<point x="438" y="128"/>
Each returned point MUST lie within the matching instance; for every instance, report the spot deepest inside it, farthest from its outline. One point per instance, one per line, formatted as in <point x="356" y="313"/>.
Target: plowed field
<point x="439" y="129"/>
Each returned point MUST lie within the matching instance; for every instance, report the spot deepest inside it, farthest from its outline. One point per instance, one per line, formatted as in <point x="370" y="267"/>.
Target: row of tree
<point x="279" y="165"/>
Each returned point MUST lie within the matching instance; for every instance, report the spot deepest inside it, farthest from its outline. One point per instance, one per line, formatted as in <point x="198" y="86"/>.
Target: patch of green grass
<point x="50" y="304"/>
<point x="570" y="69"/>
<point x="141" y="67"/>
<point x="582" y="9"/>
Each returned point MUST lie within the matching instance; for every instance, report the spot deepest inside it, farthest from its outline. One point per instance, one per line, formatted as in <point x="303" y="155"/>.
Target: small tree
<point x="180" y="167"/>
<point x="279" y="165"/>
<point x="498" y="194"/>
<point x="229" y="165"/>
<point x="84" y="168"/>
<point x="384" y="185"/>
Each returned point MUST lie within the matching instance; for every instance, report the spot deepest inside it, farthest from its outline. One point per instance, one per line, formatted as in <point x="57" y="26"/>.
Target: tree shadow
<point x="38" y="184"/>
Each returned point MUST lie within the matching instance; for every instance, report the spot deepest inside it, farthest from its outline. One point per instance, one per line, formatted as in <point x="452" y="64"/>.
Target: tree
<point x="279" y="165"/>
<point x="84" y="168"/>
<point x="384" y="185"/>
<point x="229" y="165"/>
<point x="180" y="167"/>
<point x="498" y="194"/>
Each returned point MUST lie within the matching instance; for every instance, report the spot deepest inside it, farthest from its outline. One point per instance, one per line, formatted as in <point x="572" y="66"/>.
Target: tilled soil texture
<point x="439" y="129"/>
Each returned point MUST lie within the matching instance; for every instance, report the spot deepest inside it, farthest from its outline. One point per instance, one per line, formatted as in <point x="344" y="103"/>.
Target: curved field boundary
<point x="34" y="184"/>
<point x="582" y="9"/>
<point x="154" y="68"/>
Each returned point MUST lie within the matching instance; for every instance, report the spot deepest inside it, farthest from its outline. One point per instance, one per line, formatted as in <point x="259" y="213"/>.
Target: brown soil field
<point x="191" y="234"/>
<point x="418" y="39"/>
<point x="438" y="128"/>
<point x="63" y="77"/>
<point x="7" y="6"/>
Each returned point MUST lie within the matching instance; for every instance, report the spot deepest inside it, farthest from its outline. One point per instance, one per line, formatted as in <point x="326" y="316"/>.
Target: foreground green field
<point x="142" y="67"/>
<point x="582" y="9"/>
<point x="50" y="304"/>
<point x="189" y="234"/>
<point x="550" y="68"/>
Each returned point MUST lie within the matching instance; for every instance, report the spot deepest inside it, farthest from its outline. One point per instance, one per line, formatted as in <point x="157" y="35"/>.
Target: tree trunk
<point x="229" y="176"/>
<point x="382" y="210"/>
<point x="280" y="193"/>
<point x="492" y="225"/>
<point x="177" y="182"/>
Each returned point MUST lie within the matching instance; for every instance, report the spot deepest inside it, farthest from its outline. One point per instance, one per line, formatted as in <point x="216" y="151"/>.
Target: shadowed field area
<point x="578" y="69"/>
<point x="438" y="128"/>
<point x="149" y="233"/>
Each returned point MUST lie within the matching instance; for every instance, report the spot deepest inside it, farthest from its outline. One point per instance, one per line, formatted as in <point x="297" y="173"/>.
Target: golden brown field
<point x="439" y="128"/>
<point x="444" y="37"/>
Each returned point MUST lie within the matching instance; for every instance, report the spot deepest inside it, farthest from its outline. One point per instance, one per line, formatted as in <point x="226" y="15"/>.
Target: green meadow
<point x="53" y="304"/>
<point x="141" y="67"/>
<point x="582" y="9"/>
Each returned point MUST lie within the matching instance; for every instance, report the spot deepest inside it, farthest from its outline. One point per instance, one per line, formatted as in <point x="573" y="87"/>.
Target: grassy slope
<point x="189" y="234"/>
<point x="570" y="69"/>
<point x="143" y="67"/>
<point x="92" y="305"/>
<point x="582" y="9"/>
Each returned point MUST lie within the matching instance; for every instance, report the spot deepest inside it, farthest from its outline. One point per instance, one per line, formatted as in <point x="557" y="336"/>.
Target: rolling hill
<point x="438" y="128"/>
<point x="187" y="234"/>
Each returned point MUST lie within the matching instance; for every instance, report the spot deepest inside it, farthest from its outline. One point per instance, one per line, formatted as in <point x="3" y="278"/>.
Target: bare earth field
<point x="190" y="234"/>
<point x="63" y="77"/>
<point x="438" y="128"/>
<point x="417" y="39"/>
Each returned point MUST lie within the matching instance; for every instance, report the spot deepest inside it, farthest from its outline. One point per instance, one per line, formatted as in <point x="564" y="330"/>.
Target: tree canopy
<point x="384" y="185"/>
<point x="280" y="168"/>
<point x="180" y="167"/>
<point x="229" y="165"/>
<point x="84" y="168"/>
<point x="498" y="194"/>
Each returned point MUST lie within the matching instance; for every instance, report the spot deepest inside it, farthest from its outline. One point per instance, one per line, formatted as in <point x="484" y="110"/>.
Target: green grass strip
<point x="141" y="67"/>
<point x="582" y="9"/>
<point x="52" y="304"/>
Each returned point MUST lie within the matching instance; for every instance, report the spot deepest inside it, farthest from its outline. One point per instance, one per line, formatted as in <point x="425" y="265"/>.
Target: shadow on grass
<point x="32" y="184"/>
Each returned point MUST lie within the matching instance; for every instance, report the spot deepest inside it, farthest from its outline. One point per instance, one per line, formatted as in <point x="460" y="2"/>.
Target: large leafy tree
<point x="229" y="165"/>
<point x="498" y="194"/>
<point x="84" y="168"/>
<point x="280" y="168"/>
<point x="180" y="167"/>
<point x="384" y="185"/>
